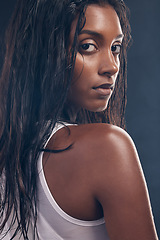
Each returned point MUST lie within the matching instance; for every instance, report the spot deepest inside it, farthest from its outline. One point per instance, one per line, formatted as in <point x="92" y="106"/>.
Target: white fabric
<point x="54" y="223"/>
<point x="59" y="224"/>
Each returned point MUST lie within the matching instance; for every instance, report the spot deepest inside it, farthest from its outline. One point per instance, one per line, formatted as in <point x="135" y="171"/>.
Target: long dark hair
<point x="35" y="79"/>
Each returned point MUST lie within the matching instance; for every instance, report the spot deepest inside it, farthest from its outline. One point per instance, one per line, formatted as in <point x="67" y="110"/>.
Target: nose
<point x="108" y="64"/>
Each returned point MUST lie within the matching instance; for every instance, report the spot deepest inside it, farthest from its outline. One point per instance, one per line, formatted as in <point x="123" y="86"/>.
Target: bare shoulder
<point x="104" y="140"/>
<point x="105" y="163"/>
<point x="117" y="181"/>
<point x="111" y="154"/>
<point x="101" y="132"/>
<point x="100" y="146"/>
<point x="110" y="150"/>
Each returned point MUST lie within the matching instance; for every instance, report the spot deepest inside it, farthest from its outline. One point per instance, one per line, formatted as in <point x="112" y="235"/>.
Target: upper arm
<point x="120" y="187"/>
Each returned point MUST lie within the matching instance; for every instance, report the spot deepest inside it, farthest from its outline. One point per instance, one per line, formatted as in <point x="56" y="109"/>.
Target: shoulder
<point x="104" y="138"/>
<point x="106" y="161"/>
<point x="111" y="158"/>
<point x="101" y="146"/>
<point x="102" y="132"/>
<point x="106" y="149"/>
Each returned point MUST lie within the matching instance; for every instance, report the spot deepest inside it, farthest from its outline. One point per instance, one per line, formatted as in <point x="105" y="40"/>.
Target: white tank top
<point x="54" y="223"/>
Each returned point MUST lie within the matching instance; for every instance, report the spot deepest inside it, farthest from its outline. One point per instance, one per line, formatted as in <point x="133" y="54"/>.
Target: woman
<point x="66" y="171"/>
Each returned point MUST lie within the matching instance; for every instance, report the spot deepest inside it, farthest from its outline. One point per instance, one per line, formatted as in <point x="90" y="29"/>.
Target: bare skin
<point x="101" y="174"/>
<point x="97" y="61"/>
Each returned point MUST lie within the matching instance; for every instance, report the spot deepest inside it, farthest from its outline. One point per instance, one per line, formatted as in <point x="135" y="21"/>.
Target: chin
<point x="98" y="108"/>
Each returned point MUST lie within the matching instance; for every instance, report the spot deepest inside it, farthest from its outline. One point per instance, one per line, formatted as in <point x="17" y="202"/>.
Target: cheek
<point x="85" y="67"/>
<point x="118" y="63"/>
<point x="82" y="80"/>
<point x="78" y="69"/>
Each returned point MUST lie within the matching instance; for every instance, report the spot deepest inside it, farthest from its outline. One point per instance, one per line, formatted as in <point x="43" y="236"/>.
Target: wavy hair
<point x="34" y="83"/>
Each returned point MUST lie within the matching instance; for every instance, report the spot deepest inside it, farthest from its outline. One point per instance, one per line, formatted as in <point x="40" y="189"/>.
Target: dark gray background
<point x="143" y="111"/>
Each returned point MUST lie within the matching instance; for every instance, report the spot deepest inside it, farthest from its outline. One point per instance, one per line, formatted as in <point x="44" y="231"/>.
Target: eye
<point x="116" y="49"/>
<point x="88" y="47"/>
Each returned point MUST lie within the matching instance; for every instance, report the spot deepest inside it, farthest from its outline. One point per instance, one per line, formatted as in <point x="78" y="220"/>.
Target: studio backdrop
<point x="143" y="110"/>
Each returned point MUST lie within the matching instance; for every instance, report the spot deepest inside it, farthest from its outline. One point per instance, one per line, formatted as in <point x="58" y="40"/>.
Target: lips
<point x="104" y="89"/>
<point x="105" y="86"/>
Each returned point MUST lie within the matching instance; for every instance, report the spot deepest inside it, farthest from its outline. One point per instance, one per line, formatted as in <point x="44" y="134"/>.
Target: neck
<point x="70" y="112"/>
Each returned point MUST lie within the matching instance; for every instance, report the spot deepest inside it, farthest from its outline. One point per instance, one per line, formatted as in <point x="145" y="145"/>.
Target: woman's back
<point x="65" y="194"/>
<point x="66" y="207"/>
<point x="101" y="168"/>
<point x="68" y="172"/>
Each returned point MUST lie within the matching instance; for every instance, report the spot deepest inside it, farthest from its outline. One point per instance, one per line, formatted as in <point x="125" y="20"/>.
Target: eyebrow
<point x="96" y="34"/>
<point x="119" y="36"/>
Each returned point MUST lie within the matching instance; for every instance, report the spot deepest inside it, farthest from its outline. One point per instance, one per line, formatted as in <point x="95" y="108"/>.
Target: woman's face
<point x="97" y="61"/>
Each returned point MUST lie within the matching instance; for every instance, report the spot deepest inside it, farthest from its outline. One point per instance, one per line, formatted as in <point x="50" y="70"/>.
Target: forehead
<point x="100" y="19"/>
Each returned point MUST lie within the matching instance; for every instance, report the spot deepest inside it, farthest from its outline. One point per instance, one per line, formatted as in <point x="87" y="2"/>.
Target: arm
<point x="120" y="187"/>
